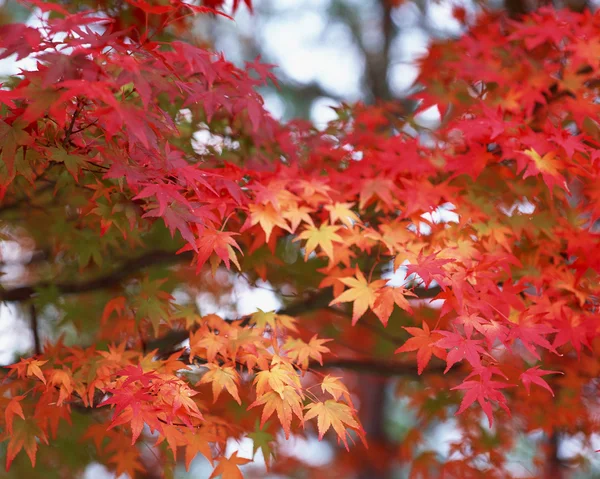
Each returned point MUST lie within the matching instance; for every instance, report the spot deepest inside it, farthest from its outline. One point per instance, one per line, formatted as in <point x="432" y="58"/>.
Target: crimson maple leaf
<point x="534" y="375"/>
<point x="483" y="391"/>
<point x="460" y="347"/>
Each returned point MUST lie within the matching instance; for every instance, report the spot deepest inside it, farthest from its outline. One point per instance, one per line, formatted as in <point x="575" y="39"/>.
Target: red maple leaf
<point x="424" y="343"/>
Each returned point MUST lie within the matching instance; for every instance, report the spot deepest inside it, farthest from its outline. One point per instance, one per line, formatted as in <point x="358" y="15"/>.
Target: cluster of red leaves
<point x="514" y="160"/>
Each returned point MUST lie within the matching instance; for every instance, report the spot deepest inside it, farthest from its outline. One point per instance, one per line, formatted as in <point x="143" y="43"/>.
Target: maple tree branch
<point x="69" y="131"/>
<point x="319" y="299"/>
<point x="377" y="367"/>
<point x="127" y="269"/>
<point x="35" y="329"/>
<point x="130" y="267"/>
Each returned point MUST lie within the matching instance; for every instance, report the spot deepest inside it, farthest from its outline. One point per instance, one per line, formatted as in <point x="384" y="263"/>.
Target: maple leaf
<point x="262" y="440"/>
<point x="296" y="215"/>
<point x="214" y="241"/>
<point x="301" y="352"/>
<point x="534" y="375"/>
<point x="428" y="268"/>
<point x="164" y="194"/>
<point x="128" y="402"/>
<point x="262" y="319"/>
<point x="360" y="292"/>
<point x="12" y="409"/>
<point x="229" y="468"/>
<point x="209" y="341"/>
<point x="33" y="368"/>
<point x="25" y="435"/>
<point x="285" y="403"/>
<point x="333" y="278"/>
<point x="323" y="236"/>
<point x="267" y="217"/>
<point x="548" y="165"/>
<point x="460" y="347"/>
<point x="482" y="391"/>
<point x="343" y="213"/>
<point x="222" y="377"/>
<point x="470" y="322"/>
<point x="532" y="334"/>
<point x="382" y="188"/>
<point x="62" y="379"/>
<point x="424" y="342"/>
<point x="336" y="388"/>
<point x="277" y="378"/>
<point x="196" y="442"/>
<point x="387" y="297"/>
<point x="332" y="414"/>
<point x="126" y="461"/>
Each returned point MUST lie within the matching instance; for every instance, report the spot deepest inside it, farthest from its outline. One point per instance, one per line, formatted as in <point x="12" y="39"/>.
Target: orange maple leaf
<point x="196" y="442"/>
<point x="24" y="435"/>
<point x="13" y="409"/>
<point x="386" y="299"/>
<point x="228" y="468"/>
<point x="285" y="402"/>
<point x="222" y="377"/>
<point x="267" y="217"/>
<point x="301" y="352"/>
<point x="362" y="293"/>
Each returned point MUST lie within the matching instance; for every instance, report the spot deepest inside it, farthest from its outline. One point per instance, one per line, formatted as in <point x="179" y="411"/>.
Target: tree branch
<point x="315" y="301"/>
<point x="35" y="329"/>
<point x="377" y="367"/>
<point x="127" y="269"/>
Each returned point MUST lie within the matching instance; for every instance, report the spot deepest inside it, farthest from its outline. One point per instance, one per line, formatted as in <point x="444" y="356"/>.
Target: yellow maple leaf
<point x="296" y="214"/>
<point x="545" y="164"/>
<point x="323" y="236"/>
<point x="362" y="293"/>
<point x="261" y="319"/>
<point x="276" y="379"/>
<point x="336" y="388"/>
<point x="343" y="213"/>
<point x="334" y="414"/>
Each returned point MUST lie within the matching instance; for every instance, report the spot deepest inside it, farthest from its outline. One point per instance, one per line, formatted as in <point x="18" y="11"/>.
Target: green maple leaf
<point x="262" y="440"/>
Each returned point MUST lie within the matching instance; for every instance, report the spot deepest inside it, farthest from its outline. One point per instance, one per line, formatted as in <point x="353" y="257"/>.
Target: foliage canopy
<point x="463" y="259"/>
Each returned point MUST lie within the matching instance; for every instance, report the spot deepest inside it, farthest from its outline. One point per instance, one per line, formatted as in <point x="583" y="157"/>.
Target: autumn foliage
<point x="464" y="258"/>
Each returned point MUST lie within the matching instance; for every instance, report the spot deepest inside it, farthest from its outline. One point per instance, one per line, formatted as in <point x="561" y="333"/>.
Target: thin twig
<point x="35" y="329"/>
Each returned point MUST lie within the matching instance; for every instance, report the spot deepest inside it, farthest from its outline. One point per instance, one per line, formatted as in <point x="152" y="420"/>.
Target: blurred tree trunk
<point x="372" y="411"/>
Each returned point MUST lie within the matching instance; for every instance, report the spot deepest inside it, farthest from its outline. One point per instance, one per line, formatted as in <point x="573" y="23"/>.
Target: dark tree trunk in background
<point x="372" y="411"/>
